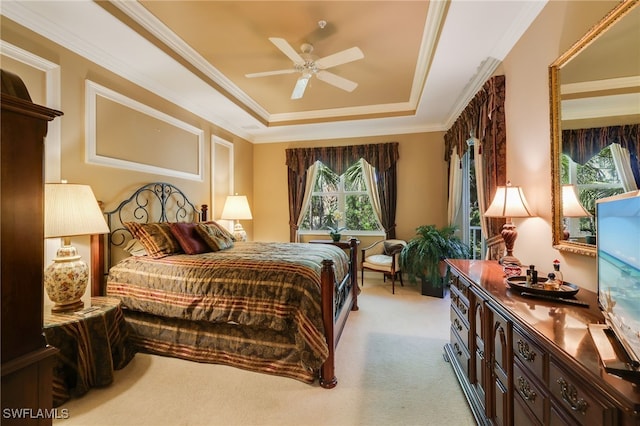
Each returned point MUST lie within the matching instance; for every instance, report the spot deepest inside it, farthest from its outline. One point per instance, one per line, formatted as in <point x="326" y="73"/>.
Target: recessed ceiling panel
<point x="233" y="36"/>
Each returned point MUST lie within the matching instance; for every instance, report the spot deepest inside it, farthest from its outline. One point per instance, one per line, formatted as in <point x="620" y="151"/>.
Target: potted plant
<point x="423" y="256"/>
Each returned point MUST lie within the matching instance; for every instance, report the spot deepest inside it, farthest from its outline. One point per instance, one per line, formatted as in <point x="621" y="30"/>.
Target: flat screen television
<point x="618" y="265"/>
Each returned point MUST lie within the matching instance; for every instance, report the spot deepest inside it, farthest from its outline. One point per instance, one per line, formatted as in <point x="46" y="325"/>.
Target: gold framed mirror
<point x="590" y="90"/>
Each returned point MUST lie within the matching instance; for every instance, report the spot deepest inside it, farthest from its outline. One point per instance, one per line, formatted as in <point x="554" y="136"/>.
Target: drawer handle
<point x="525" y="389"/>
<point x="525" y="352"/>
<point x="457" y="348"/>
<point x="457" y="324"/>
<point x="481" y="354"/>
<point x="570" y="396"/>
<point x="463" y="309"/>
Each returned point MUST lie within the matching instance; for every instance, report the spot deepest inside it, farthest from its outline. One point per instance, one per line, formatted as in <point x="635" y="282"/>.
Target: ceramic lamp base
<point x="66" y="279"/>
<point x="239" y="233"/>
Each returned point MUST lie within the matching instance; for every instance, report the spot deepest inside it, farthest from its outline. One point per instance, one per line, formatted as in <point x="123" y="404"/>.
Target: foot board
<point x="337" y="300"/>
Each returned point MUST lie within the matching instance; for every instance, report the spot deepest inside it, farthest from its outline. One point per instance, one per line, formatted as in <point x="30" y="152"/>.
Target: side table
<point x="92" y="343"/>
<point x="343" y="244"/>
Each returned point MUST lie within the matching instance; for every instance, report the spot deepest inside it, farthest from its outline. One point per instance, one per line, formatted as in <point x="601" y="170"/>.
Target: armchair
<point x="383" y="256"/>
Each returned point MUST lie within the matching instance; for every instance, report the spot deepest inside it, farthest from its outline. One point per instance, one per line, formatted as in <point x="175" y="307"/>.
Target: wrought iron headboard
<point x="153" y="202"/>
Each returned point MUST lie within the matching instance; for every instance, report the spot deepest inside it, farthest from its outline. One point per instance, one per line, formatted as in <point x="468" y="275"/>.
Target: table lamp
<point x="69" y="210"/>
<point x="236" y="208"/>
<point x="571" y="207"/>
<point x="509" y="202"/>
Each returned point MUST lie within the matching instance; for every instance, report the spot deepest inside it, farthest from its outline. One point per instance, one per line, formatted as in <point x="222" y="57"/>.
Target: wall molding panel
<point x="141" y="134"/>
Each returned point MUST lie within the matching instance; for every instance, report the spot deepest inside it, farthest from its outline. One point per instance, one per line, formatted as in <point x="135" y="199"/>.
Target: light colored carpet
<point x="389" y="366"/>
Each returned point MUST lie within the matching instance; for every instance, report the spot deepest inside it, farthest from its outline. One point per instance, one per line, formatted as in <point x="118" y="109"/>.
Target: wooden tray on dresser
<point x="566" y="290"/>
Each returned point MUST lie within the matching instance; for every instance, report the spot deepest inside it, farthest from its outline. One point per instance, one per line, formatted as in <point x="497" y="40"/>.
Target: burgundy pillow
<point x="190" y="241"/>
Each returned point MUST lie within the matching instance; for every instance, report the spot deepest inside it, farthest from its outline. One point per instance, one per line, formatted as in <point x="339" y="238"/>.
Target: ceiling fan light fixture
<point x="300" y="86"/>
<point x="307" y="65"/>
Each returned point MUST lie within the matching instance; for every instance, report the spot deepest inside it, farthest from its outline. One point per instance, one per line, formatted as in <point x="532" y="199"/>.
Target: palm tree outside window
<point x="340" y="201"/>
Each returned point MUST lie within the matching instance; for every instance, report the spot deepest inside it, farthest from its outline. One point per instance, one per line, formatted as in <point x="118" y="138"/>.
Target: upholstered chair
<point x="384" y="256"/>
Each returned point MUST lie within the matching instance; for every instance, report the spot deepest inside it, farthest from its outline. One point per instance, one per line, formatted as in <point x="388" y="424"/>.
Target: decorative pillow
<point x="392" y="248"/>
<point x="156" y="238"/>
<point x="216" y="237"/>
<point x="228" y="235"/>
<point x="190" y="241"/>
<point x="135" y="248"/>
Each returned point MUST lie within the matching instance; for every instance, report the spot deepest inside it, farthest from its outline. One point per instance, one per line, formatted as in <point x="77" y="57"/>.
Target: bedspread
<point x="271" y="286"/>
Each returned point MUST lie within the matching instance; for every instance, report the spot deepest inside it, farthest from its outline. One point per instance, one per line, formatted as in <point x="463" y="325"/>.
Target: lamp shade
<point x="571" y="206"/>
<point x="509" y="201"/>
<point x="236" y="207"/>
<point x="71" y="209"/>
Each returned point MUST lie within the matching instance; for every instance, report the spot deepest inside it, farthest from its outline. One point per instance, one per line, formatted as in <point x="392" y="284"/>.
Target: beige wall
<point x="422" y="183"/>
<point x="555" y="30"/>
<point x="111" y="184"/>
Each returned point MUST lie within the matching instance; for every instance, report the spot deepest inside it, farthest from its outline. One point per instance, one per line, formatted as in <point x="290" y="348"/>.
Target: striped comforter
<point x="255" y="291"/>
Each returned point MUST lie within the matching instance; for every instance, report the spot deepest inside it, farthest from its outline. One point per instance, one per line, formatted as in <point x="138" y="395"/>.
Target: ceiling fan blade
<point x="340" y="58"/>
<point x="300" y="87"/>
<point x="336" y="80"/>
<point x="268" y="73"/>
<point x="286" y="48"/>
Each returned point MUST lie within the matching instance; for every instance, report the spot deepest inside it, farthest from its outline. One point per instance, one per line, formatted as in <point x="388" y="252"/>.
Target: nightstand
<point x="92" y="343"/>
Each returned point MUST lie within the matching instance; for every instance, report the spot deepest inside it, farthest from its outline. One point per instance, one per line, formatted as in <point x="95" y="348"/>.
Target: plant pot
<point x="335" y="237"/>
<point x="429" y="289"/>
<point x="591" y="239"/>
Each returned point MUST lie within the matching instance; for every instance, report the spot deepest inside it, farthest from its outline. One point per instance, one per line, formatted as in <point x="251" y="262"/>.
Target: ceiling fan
<point x="308" y="66"/>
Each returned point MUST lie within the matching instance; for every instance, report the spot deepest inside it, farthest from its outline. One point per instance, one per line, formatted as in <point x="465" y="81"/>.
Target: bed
<point x="276" y="308"/>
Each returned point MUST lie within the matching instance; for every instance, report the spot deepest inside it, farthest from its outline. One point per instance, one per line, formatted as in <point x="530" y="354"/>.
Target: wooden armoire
<point x="26" y="359"/>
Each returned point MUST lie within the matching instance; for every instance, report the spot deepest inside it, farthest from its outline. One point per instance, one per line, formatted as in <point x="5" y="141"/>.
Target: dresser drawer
<point x="461" y="327"/>
<point x="577" y="401"/>
<point x="460" y="285"/>
<point x="528" y="392"/>
<point x="460" y="302"/>
<point x="530" y="355"/>
<point x="521" y="414"/>
<point x="460" y="351"/>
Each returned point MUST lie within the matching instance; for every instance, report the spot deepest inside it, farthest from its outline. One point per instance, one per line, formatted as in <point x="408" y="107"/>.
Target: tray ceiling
<point x="423" y="61"/>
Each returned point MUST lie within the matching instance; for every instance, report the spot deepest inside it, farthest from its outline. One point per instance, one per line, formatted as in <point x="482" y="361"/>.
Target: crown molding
<point x="600" y="85"/>
<point x="601" y="106"/>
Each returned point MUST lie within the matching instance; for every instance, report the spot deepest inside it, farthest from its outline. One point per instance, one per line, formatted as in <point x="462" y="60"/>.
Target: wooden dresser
<point x="26" y="359"/>
<point x="523" y="361"/>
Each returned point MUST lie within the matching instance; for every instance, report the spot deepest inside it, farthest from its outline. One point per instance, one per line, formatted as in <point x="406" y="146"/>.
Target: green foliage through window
<point x="595" y="179"/>
<point x="340" y="202"/>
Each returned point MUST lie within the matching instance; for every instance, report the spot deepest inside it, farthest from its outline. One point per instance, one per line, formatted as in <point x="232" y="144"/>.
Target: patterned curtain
<point x="582" y="144"/>
<point x="381" y="156"/>
<point x="484" y="118"/>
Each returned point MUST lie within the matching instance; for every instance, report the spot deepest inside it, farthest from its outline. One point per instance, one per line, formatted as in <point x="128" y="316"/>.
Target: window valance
<point x="483" y="116"/>
<point x="382" y="156"/>
<point x="582" y="144"/>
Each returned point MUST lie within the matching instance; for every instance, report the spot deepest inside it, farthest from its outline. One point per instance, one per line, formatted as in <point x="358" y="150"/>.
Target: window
<point x="340" y="202"/>
<point x="468" y="218"/>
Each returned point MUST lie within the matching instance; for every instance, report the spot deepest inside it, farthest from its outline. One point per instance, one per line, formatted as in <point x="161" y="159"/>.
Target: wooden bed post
<point x="353" y="270"/>
<point x="97" y="265"/>
<point x="327" y="371"/>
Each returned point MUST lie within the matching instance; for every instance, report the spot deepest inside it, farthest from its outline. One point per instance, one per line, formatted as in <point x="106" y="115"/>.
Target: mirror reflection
<point x="595" y="104"/>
